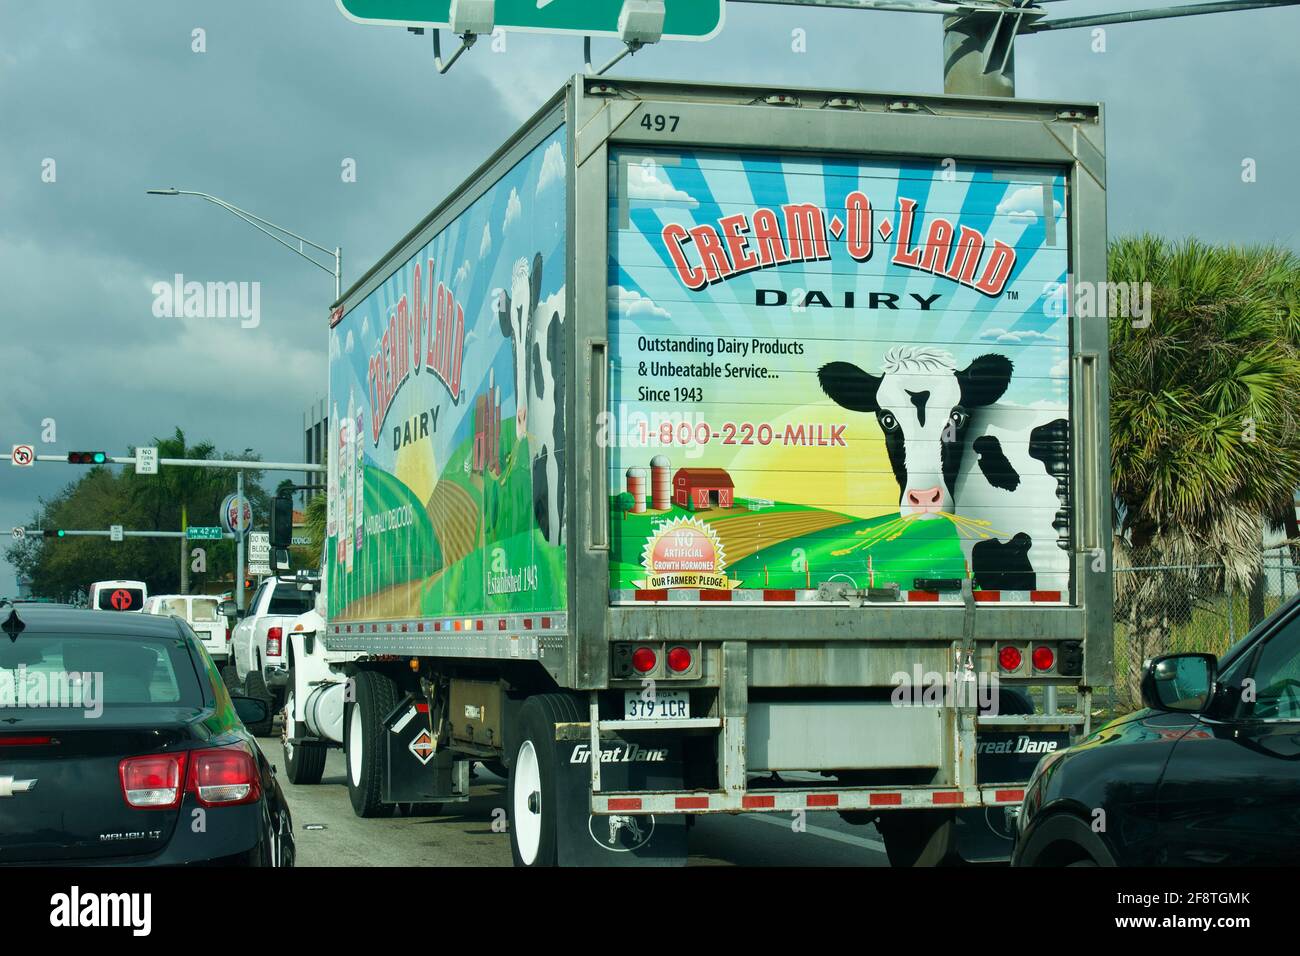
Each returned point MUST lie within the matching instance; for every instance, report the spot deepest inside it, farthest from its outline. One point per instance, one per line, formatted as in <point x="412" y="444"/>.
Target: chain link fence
<point x="1188" y="608"/>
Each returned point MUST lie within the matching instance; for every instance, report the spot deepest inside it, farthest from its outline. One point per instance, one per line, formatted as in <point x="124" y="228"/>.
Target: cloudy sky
<point x="288" y="91"/>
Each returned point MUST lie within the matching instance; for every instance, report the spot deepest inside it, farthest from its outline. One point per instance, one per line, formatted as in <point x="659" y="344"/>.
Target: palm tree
<point x="169" y="496"/>
<point x="1204" y="435"/>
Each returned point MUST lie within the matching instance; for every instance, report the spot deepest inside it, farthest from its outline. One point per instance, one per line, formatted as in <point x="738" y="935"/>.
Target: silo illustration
<point x="661" y="484"/>
<point x="636" y="480"/>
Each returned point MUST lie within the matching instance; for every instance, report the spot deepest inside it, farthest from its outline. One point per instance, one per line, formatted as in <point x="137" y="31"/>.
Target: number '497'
<point x="659" y="122"/>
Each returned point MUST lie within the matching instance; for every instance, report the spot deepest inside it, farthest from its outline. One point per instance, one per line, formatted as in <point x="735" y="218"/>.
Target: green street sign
<point x="195" y="533"/>
<point x="683" y="19"/>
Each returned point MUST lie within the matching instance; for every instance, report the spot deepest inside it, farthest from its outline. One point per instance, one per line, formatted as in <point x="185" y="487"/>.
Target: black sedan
<point x="120" y="745"/>
<point x="1207" y="774"/>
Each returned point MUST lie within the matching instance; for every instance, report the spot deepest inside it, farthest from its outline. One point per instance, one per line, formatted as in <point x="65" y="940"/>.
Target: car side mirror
<point x="1183" y="683"/>
<point x="250" y="709"/>
<point x="228" y="609"/>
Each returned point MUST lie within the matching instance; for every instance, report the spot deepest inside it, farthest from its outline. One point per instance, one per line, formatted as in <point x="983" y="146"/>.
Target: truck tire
<point x="919" y="837"/>
<point x="230" y="677"/>
<point x="255" y="686"/>
<point x="304" y="762"/>
<point x="363" y="742"/>
<point x="534" y="802"/>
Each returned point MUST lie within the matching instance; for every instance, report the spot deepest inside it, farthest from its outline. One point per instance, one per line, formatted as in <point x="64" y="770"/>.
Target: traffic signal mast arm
<point x="193" y="462"/>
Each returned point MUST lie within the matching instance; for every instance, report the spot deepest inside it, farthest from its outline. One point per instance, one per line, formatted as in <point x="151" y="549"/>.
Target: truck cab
<point x="258" y="640"/>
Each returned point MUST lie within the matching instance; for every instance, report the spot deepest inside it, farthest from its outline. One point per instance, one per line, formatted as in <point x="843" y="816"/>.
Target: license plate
<point x="665" y="705"/>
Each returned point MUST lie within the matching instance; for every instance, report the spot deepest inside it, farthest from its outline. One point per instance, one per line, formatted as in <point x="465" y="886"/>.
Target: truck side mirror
<point x="281" y="522"/>
<point x="228" y="609"/>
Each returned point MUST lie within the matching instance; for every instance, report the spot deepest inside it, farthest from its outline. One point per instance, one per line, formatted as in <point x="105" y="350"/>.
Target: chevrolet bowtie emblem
<point x="9" y="786"/>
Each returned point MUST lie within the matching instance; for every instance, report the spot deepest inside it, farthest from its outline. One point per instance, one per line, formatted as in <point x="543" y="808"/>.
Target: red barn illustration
<point x="702" y="488"/>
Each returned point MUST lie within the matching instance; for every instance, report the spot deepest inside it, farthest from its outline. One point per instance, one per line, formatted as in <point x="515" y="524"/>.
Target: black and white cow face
<point x="535" y="328"/>
<point x="923" y="405"/>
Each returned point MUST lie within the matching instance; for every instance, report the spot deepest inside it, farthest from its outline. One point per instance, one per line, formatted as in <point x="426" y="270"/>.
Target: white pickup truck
<point x="258" y="643"/>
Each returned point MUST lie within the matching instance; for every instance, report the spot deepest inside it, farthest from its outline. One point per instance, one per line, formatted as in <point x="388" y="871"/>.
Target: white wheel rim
<point x="354" y="745"/>
<point x="285" y="731"/>
<point x="528" y="824"/>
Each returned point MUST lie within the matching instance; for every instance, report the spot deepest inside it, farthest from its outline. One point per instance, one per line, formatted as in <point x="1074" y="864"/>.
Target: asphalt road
<point x="329" y="834"/>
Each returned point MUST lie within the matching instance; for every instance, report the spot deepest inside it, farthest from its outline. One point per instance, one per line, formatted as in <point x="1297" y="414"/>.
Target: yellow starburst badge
<point x="684" y="553"/>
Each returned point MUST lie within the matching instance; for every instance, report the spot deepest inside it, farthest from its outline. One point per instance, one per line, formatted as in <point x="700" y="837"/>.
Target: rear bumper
<point x="788" y="800"/>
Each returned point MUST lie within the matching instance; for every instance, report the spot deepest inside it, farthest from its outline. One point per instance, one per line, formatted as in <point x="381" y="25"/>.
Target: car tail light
<point x="273" y="637"/>
<point x="26" y="740"/>
<point x="679" y="659"/>
<point x="227" y="635"/>
<point x="224" y="776"/>
<point x="644" y="659"/>
<point x="1043" y="658"/>
<point x="1009" y="658"/>
<point x="153" y="782"/>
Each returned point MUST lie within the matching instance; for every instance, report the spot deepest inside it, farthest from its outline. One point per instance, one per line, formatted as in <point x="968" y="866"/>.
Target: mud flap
<point x="983" y="834"/>
<point x="413" y="772"/>
<point x="635" y="762"/>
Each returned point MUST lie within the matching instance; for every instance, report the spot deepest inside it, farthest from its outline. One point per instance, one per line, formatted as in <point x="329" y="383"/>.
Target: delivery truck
<point x="723" y="449"/>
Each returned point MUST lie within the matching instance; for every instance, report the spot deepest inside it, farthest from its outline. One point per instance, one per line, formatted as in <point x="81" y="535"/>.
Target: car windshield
<point x="78" y="671"/>
<point x="289" y="600"/>
<point x="204" y="611"/>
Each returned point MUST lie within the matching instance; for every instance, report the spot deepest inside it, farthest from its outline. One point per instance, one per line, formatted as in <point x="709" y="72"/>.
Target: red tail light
<point x="1009" y="658"/>
<point x="224" y="777"/>
<point x="274" y="636"/>
<point x="644" y="659"/>
<point x="227" y="635"/>
<point x="153" y="782"/>
<point x="219" y="777"/>
<point x="29" y="740"/>
<point x="1043" y="658"/>
<point x="679" y="659"/>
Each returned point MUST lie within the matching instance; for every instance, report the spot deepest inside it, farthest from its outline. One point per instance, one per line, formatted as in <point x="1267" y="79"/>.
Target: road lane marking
<point x="824" y="832"/>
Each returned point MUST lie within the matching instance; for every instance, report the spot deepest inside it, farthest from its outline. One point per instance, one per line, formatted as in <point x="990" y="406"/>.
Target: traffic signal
<point x="248" y="584"/>
<point x="51" y="533"/>
<point x="87" y="457"/>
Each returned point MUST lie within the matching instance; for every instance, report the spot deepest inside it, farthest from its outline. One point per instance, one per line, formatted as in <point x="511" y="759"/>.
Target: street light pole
<point x="271" y="229"/>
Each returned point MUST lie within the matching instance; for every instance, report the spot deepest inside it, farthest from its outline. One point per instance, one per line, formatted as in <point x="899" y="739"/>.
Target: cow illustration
<point x="535" y="328"/>
<point x="955" y="450"/>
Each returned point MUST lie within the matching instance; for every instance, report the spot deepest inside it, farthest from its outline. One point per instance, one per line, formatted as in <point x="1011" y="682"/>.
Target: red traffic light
<point x="87" y="457"/>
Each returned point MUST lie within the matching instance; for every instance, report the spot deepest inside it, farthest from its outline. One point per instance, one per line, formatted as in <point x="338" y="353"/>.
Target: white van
<point x="202" y="612"/>
<point x="118" y="595"/>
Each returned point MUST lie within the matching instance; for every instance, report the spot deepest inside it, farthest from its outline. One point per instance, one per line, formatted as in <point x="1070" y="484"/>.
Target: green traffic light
<point x="61" y="532"/>
<point x="99" y="458"/>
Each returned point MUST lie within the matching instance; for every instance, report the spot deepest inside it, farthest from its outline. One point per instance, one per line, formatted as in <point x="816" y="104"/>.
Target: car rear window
<point x="69" y="670"/>
<point x="289" y="600"/>
<point x="204" y="611"/>
<point x="120" y="599"/>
